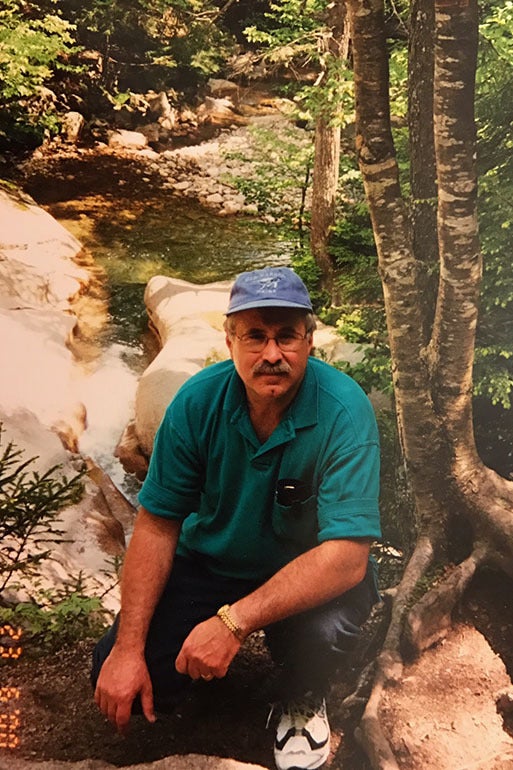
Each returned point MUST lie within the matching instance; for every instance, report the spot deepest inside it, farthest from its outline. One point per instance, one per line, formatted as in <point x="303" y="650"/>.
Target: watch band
<point x="224" y="614"/>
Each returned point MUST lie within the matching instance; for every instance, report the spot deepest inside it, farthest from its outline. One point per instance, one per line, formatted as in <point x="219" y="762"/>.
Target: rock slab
<point x="443" y="713"/>
<point x="186" y="762"/>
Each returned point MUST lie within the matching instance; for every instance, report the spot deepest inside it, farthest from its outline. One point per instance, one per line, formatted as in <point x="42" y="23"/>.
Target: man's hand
<point x="208" y="650"/>
<point x="122" y="677"/>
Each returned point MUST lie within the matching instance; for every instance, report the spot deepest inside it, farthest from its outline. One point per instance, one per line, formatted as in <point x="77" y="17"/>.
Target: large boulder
<point x="39" y="280"/>
<point x="188" y="322"/>
<point x="185" y="762"/>
<point x="443" y="713"/>
<point x="40" y="407"/>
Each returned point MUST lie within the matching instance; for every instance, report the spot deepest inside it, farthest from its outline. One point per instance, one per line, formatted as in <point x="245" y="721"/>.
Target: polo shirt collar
<point x="302" y="412"/>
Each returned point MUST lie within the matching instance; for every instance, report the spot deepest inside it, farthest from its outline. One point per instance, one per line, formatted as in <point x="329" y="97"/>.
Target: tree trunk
<point x="335" y="47"/>
<point x="422" y="153"/>
<point x="432" y="374"/>
<point x="324" y="195"/>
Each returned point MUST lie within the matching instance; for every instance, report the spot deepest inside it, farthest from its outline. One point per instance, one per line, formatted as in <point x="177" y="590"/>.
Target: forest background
<point x="387" y="259"/>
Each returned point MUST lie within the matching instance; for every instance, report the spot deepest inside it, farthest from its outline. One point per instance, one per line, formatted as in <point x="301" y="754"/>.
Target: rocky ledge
<point x="43" y="272"/>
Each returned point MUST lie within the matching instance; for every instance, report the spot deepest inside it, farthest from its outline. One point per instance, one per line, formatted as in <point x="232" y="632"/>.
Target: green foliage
<point x="493" y="372"/>
<point x="332" y="99"/>
<point x="495" y="29"/>
<point x="289" y="31"/>
<point x="365" y="327"/>
<point x="34" y="46"/>
<point x="31" y="48"/>
<point x="398" y="68"/>
<point x="153" y="44"/>
<point x="289" y="38"/>
<point x="493" y="375"/>
<point x="353" y="249"/>
<point x="29" y="504"/>
<point x="280" y="163"/>
<point x="373" y="372"/>
<point x="57" y="617"/>
<point x="362" y="324"/>
<point x="306" y="267"/>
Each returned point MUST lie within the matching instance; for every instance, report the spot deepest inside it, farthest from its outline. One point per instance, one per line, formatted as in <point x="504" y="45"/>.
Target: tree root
<point x="426" y="623"/>
<point x="431" y="617"/>
<point x="389" y="664"/>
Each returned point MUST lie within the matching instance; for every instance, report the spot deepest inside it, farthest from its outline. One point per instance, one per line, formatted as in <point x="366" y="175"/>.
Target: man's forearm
<point x="311" y="579"/>
<point x="146" y="569"/>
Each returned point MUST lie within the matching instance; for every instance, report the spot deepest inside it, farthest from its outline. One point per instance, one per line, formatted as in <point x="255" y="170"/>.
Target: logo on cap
<point x="268" y="284"/>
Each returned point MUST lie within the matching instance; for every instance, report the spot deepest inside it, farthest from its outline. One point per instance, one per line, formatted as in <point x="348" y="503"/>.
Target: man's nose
<point x="272" y="352"/>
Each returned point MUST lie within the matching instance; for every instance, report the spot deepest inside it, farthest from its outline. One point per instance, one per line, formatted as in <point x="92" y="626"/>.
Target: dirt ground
<point x="59" y="720"/>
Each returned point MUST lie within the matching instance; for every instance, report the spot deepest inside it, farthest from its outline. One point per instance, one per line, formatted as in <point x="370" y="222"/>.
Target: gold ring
<point x="207" y="677"/>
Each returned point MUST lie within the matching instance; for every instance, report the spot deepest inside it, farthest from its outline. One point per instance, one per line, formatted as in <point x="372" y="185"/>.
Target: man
<point x="257" y="513"/>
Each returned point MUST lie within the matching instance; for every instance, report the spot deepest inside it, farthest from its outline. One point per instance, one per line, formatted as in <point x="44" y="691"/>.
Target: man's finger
<point x="122" y="717"/>
<point x="147" y="702"/>
<point x="110" y="711"/>
<point x="181" y="663"/>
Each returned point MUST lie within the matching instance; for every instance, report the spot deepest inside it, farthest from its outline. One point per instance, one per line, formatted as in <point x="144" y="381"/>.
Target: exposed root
<point x="431" y="617"/>
<point x="389" y="664"/>
<point x="357" y="699"/>
<point x="370" y="734"/>
<point x="427" y="622"/>
<point x="416" y="568"/>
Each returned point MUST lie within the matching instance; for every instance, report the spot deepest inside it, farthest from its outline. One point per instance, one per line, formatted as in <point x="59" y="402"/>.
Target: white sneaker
<point x="303" y="735"/>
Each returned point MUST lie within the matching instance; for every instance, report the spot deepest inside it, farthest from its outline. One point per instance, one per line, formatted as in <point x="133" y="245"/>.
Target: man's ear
<point x="229" y="345"/>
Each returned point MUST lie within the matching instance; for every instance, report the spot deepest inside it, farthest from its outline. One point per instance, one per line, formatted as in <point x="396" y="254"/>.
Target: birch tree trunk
<point x="432" y="363"/>
<point x="422" y="152"/>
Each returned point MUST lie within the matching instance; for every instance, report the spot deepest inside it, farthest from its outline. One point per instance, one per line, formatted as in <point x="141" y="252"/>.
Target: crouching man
<point x="257" y="512"/>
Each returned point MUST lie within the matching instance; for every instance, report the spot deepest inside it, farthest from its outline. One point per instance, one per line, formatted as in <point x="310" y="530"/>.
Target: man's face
<point x="271" y="373"/>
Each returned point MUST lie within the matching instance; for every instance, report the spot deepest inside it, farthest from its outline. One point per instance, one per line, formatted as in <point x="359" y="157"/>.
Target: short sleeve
<point x="348" y="499"/>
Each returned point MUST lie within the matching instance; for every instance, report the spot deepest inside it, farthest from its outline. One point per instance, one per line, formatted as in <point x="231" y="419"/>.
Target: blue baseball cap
<point x="268" y="287"/>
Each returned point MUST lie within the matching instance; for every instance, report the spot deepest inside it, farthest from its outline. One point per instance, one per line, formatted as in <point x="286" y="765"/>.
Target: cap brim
<point x="267" y="303"/>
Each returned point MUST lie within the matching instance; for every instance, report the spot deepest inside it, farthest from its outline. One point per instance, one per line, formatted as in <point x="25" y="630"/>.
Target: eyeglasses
<point x="256" y="342"/>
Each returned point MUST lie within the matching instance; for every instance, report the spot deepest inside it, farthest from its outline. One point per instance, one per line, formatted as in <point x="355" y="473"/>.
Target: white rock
<point x="40" y="406"/>
<point x="127" y="140"/>
<point x="231" y="207"/>
<point x="188" y="320"/>
<point x="214" y="198"/>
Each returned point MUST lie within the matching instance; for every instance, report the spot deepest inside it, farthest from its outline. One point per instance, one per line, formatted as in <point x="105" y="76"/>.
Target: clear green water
<point x="174" y="238"/>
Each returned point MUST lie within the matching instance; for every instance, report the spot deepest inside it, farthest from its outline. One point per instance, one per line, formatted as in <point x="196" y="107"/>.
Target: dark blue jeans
<point x="307" y="648"/>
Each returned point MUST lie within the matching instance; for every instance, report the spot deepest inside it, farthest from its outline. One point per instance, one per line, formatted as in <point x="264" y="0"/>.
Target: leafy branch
<point x="29" y="504"/>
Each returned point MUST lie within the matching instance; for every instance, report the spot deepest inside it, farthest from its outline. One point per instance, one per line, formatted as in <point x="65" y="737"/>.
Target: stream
<point x="132" y="241"/>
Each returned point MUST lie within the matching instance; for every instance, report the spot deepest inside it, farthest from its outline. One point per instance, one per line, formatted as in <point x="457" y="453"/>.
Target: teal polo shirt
<point x="209" y="470"/>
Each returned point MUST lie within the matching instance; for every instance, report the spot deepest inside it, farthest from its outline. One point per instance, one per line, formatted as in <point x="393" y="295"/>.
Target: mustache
<point x="265" y="368"/>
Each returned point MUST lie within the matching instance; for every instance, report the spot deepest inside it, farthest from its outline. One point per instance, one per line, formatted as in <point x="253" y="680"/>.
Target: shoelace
<point x="299" y="712"/>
